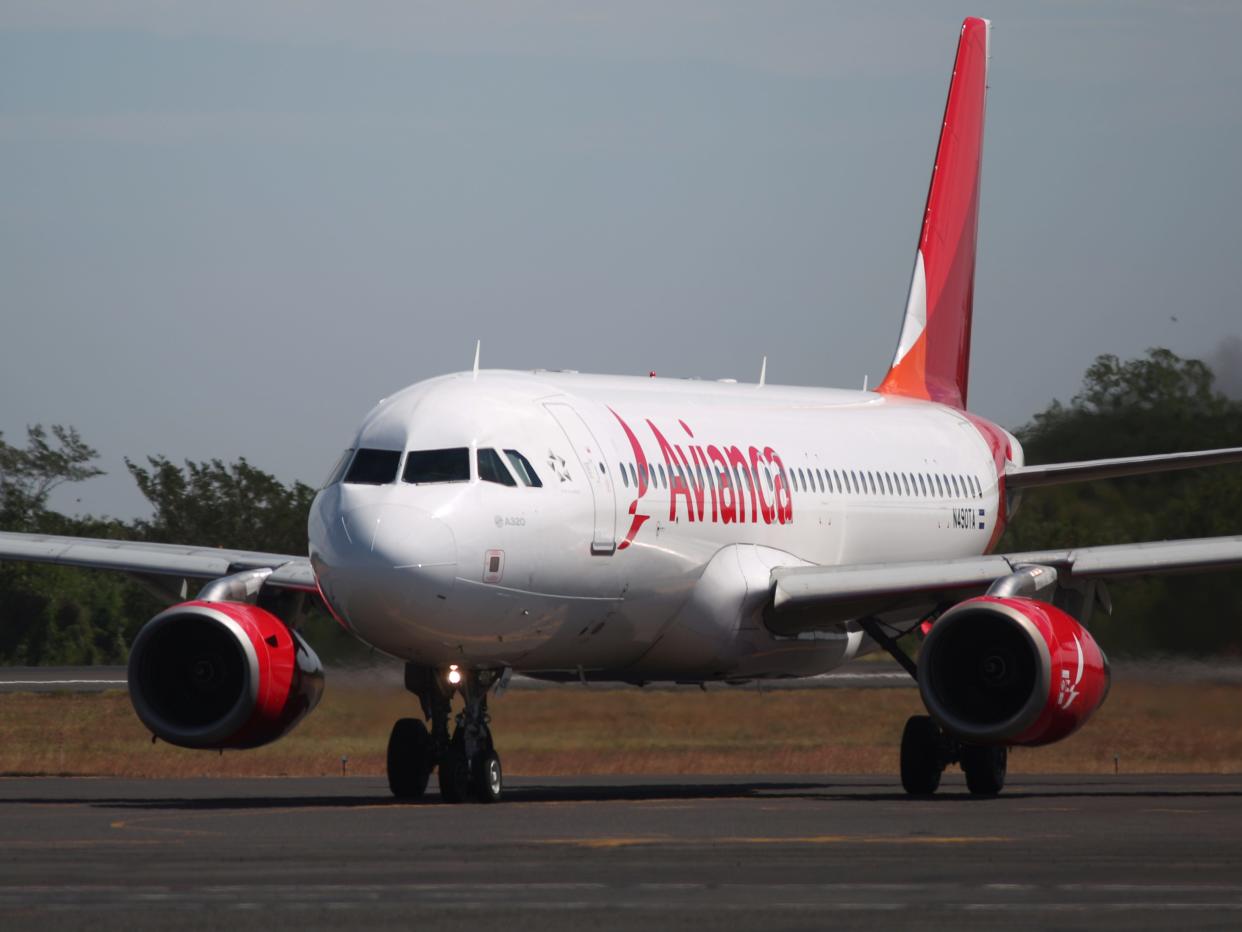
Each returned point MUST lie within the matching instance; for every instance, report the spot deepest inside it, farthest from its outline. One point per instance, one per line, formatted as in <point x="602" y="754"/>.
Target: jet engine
<point x="1010" y="671"/>
<point x="221" y="675"/>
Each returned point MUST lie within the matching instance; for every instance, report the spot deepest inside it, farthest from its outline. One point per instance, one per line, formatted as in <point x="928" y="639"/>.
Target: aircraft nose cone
<point x="389" y="560"/>
<point x="399" y="537"/>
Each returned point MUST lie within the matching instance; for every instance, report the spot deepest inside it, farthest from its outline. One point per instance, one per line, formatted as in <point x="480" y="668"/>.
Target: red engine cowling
<point x="1011" y="671"/>
<point x="221" y="675"/>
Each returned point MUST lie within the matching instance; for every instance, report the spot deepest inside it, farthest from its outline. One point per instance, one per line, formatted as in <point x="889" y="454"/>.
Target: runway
<point x="780" y="852"/>
<point x="868" y="675"/>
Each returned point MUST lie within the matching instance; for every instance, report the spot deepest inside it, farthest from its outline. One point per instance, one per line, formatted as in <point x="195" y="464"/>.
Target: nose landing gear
<point x="469" y="767"/>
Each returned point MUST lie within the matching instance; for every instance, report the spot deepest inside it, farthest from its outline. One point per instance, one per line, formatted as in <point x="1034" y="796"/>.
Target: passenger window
<point x="939" y="486"/>
<point x="338" y="471"/>
<point x="625" y="479"/>
<point x="492" y="468"/>
<point x="525" y="471"/>
<point x="634" y="475"/>
<point x="905" y="481"/>
<point x="957" y="493"/>
<point x="922" y="485"/>
<point x="428" y="466"/>
<point x="375" y="467"/>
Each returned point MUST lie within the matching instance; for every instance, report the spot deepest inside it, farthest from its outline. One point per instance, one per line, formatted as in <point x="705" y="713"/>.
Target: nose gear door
<point x="598" y="475"/>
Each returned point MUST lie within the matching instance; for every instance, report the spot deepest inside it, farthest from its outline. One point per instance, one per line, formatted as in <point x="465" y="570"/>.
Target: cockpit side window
<point x="426" y="466"/>
<point x="338" y="471"/>
<point x="492" y="469"/>
<point x="373" y="467"/>
<point x="521" y="465"/>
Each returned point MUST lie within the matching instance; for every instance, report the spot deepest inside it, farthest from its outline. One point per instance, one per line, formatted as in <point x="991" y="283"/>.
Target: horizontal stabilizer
<point x="1028" y="477"/>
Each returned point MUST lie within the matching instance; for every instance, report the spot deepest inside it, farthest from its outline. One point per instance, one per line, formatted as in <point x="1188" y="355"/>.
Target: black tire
<point x="486" y="778"/>
<point x="921" y="764"/>
<point x="454" y="775"/>
<point x="411" y="755"/>
<point x="985" y="769"/>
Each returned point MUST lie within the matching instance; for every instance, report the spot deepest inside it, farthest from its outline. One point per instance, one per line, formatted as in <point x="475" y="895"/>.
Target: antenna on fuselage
<point x="478" y="344"/>
<point x="763" y="372"/>
<point x="866" y="377"/>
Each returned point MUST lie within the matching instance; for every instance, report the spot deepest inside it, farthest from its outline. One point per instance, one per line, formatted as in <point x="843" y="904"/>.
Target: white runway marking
<point x="63" y="682"/>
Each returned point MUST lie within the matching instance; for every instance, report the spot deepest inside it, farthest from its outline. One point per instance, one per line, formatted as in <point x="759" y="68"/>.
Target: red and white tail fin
<point x="933" y="354"/>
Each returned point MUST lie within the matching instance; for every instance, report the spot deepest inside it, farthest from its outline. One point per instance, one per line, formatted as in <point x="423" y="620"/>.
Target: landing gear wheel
<point x="921" y="761"/>
<point x="985" y="769"/>
<point x="411" y="755"/>
<point x="486" y="778"/>
<point x="454" y="775"/>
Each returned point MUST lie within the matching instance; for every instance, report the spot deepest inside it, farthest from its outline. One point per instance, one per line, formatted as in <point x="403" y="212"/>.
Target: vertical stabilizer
<point x="933" y="354"/>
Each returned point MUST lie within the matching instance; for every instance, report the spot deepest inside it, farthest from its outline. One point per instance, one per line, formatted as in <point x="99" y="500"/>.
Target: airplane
<point x="589" y="528"/>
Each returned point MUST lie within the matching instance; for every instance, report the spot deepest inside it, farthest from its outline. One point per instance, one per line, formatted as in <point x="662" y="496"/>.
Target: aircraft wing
<point x="809" y="597"/>
<point x="188" y="562"/>
<point x="1026" y="477"/>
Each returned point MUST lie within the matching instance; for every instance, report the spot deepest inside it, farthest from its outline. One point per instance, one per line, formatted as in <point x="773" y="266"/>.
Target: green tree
<point x="29" y="474"/>
<point x="53" y="614"/>
<point x="1159" y="403"/>
<point x="217" y="505"/>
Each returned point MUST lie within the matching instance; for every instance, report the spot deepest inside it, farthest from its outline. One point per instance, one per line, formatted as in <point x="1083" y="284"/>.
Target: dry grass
<point x="1152" y="727"/>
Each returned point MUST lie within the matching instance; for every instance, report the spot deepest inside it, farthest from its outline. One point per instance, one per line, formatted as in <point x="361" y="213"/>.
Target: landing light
<point x="454" y="675"/>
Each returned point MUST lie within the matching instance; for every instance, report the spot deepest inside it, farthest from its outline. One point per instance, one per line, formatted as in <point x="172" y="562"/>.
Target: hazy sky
<point x="228" y="229"/>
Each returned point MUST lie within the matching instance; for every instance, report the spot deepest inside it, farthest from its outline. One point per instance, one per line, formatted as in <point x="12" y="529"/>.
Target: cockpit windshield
<point x="373" y="467"/>
<point x="338" y="471"/>
<point x="427" y="466"/>
<point x="525" y="471"/>
<point x="492" y="468"/>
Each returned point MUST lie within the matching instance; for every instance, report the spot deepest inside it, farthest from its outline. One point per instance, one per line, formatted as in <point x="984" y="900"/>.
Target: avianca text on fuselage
<point x="721" y="500"/>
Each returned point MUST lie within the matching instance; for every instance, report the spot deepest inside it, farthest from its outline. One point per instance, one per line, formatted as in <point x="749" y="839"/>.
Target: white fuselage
<point x="645" y="553"/>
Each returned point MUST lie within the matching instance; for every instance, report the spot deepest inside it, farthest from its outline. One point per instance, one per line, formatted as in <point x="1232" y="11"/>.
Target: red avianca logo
<point x="712" y="483"/>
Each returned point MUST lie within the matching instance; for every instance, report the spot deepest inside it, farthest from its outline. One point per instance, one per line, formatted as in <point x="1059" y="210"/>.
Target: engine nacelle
<point x="1011" y="671"/>
<point x="221" y="675"/>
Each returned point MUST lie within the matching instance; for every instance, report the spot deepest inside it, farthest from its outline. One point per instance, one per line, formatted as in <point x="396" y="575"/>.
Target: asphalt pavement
<point x="770" y="853"/>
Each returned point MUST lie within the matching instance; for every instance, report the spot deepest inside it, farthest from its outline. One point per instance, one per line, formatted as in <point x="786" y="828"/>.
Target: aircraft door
<point x="598" y="475"/>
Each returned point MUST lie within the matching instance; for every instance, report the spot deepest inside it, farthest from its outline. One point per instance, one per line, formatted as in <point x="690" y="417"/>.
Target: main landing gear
<point x="925" y="748"/>
<point x="468" y="765"/>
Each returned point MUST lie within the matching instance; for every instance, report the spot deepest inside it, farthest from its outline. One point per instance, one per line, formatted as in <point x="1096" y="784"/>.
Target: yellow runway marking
<point x="1177" y="811"/>
<point x="1048" y="809"/>
<point x="626" y="841"/>
<point x="91" y="843"/>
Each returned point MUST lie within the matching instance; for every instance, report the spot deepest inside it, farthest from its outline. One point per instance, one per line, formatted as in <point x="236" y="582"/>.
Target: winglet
<point x="933" y="353"/>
